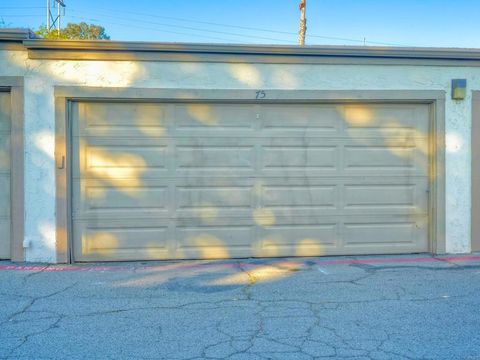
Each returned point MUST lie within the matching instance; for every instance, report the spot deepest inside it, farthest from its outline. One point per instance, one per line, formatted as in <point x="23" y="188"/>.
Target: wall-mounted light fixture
<point x="459" y="89"/>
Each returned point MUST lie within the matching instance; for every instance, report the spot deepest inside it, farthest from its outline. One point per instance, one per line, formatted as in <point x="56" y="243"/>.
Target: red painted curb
<point x="185" y="266"/>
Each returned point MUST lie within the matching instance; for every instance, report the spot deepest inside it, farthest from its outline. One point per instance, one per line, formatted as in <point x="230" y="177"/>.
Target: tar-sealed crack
<point x="252" y="280"/>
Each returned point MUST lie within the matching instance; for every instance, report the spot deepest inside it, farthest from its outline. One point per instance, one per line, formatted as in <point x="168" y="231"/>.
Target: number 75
<point x="260" y="94"/>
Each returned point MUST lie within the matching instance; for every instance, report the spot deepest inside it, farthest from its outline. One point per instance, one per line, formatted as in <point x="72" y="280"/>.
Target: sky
<point x="438" y="23"/>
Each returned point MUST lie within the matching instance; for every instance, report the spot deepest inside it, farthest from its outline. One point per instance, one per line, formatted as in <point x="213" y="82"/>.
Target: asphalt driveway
<point x="343" y="308"/>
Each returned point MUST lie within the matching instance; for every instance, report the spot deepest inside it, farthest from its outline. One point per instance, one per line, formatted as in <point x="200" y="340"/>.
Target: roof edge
<point x="16" y="34"/>
<point x="233" y="49"/>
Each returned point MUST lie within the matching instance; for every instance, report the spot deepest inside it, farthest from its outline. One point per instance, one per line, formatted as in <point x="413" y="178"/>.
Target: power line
<point x="120" y="24"/>
<point x="360" y="41"/>
<point x="194" y="28"/>
<point x="23" y="7"/>
<point x="24" y="15"/>
<point x="152" y="29"/>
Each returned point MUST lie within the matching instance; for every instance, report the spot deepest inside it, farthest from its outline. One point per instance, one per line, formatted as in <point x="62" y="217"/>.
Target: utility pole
<point x="54" y="19"/>
<point x="303" y="23"/>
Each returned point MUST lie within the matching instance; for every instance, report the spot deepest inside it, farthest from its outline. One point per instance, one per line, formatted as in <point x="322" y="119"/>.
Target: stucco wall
<point x="42" y="75"/>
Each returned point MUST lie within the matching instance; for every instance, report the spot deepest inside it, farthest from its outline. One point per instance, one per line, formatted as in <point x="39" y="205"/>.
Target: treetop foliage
<point x="73" y="31"/>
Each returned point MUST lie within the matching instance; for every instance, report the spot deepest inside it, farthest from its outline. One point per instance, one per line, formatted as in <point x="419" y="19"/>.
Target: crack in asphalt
<point x="26" y="308"/>
<point x="252" y="280"/>
<point x="317" y="328"/>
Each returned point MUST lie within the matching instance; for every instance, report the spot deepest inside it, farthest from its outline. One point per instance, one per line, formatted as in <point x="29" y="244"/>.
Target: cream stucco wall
<point x="42" y="75"/>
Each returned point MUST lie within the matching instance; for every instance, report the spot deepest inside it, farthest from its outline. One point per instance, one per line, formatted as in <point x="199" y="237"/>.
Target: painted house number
<point x="260" y="94"/>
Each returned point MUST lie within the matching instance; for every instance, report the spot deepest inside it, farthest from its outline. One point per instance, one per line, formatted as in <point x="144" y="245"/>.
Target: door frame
<point x="475" y="196"/>
<point x="64" y="95"/>
<point x="14" y="86"/>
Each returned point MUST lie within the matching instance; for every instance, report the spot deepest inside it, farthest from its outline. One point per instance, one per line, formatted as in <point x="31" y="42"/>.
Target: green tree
<point x="80" y="31"/>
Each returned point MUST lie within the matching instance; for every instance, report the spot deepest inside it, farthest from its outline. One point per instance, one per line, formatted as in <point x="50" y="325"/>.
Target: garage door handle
<point x="61" y="164"/>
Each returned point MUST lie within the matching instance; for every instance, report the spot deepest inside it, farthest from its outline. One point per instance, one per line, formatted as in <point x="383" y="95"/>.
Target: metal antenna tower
<point x="54" y="14"/>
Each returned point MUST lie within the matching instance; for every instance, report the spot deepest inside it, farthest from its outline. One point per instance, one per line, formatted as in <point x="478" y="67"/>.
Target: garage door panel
<point x="112" y="198"/>
<point x="5" y="152"/>
<point x="208" y="157"/>
<point x="122" y="244"/>
<point x="386" y="197"/>
<point x="211" y="119"/>
<point x="96" y="222"/>
<point x="320" y="157"/>
<point x="235" y="139"/>
<point x="213" y="198"/>
<point x="5" y="237"/>
<point x="204" y="242"/>
<point x="206" y="180"/>
<point x="209" y="217"/>
<point x="5" y="195"/>
<point x="126" y="198"/>
<point x="98" y="239"/>
<point x="211" y="251"/>
<point x="267" y="216"/>
<point x="121" y="183"/>
<point x="385" y="120"/>
<point x="122" y="119"/>
<point x="398" y="158"/>
<point x="385" y="158"/>
<point x="112" y="141"/>
<point x="304" y="180"/>
<point x="297" y="239"/>
<point x="5" y="111"/>
<point x="300" y="196"/>
<point x="305" y="140"/>
<point x="125" y="157"/>
<point x="297" y="119"/>
<point x="379" y="249"/>
<point x="310" y="140"/>
<point x="112" y="161"/>
<point x="386" y="142"/>
<point x="122" y="239"/>
<point x="236" y="180"/>
<point x="389" y="232"/>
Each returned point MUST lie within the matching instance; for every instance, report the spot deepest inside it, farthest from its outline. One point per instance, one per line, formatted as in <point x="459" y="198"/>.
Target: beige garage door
<point x="5" y="175"/>
<point x="177" y="181"/>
